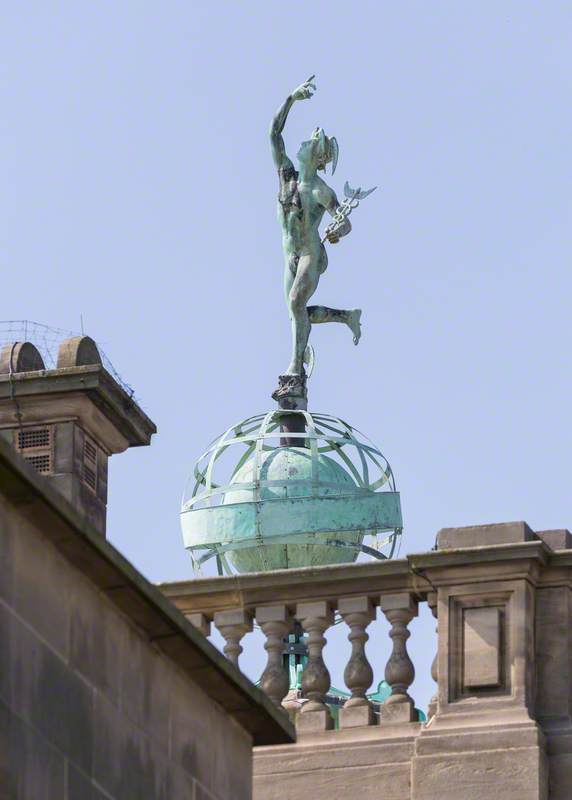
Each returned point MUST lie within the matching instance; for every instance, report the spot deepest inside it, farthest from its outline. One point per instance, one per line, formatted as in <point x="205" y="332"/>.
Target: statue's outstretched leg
<point x="303" y="287"/>
<point x="350" y="317"/>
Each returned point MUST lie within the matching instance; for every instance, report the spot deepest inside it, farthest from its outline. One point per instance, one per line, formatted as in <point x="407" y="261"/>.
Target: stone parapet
<point x="500" y="723"/>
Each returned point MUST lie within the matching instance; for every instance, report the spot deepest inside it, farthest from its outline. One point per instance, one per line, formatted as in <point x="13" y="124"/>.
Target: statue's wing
<point x="335" y="149"/>
<point x="357" y="194"/>
<point x="348" y="191"/>
<point x="309" y="360"/>
<point x="362" y="195"/>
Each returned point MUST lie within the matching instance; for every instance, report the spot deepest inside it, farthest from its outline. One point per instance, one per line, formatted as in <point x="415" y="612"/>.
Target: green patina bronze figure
<point x="303" y="198"/>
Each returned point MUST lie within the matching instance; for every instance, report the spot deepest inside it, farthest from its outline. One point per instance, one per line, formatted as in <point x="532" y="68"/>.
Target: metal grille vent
<point x="33" y="438"/>
<point x="36" y="445"/>
<point x="89" y="473"/>
<point x="41" y="463"/>
<point x="89" y="452"/>
<point x="89" y="477"/>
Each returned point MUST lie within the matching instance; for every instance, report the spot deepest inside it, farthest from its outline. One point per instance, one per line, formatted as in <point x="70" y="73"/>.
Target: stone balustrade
<point x="500" y="723"/>
<point x="314" y="598"/>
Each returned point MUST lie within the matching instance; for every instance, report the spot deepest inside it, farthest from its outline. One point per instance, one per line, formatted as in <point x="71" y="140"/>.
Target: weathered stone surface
<point x="510" y="774"/>
<point x="554" y="652"/>
<point x="39" y="688"/>
<point x="146" y="680"/>
<point x="200" y="622"/>
<point x="219" y="756"/>
<point x="314" y="721"/>
<point x="522" y="736"/>
<point x="115" y="416"/>
<point x="125" y="763"/>
<point x="483" y="535"/>
<point x="80" y="787"/>
<point x="356" y="716"/>
<point x="20" y="357"/>
<point x="367" y="783"/>
<point x="560" y="776"/>
<point x="232" y="763"/>
<point x="91" y="707"/>
<point x="8" y="535"/>
<point x="29" y="766"/>
<point x="560" y="539"/>
<point x="89" y="406"/>
<point x="482" y="662"/>
<point x="393" y="713"/>
<point x="275" y="622"/>
<point x="344" y="749"/>
<point x="368" y="764"/>
<point x="97" y="639"/>
<point x="41" y="594"/>
<point x="78" y="351"/>
<point x="202" y="794"/>
<point x="180" y="784"/>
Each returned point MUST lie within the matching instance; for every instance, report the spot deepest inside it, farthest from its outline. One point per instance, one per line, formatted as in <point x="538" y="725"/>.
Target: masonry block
<point x="357" y="716"/>
<point x="482" y="632"/>
<point x="484" y="535"/>
<point x="314" y="721"/>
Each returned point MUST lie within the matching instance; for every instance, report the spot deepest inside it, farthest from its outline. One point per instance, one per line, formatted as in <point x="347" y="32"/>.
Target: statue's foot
<point x="354" y="323"/>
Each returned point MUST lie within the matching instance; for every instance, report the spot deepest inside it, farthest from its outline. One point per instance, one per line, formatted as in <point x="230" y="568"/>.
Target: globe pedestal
<point x="291" y="505"/>
<point x="292" y="395"/>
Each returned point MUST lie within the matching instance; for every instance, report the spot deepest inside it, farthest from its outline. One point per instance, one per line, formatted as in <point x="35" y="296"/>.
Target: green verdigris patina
<point x="290" y="506"/>
<point x="304" y="197"/>
<point x="291" y="488"/>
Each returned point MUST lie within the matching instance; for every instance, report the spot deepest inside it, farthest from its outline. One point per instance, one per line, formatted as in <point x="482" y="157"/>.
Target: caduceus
<point x="352" y="201"/>
<point x="303" y="199"/>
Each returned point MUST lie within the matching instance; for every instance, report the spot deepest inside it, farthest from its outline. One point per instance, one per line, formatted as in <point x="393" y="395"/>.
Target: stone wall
<point x="88" y="708"/>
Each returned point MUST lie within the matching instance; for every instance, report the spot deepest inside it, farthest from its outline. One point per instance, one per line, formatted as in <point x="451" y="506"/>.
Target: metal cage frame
<point x="259" y="434"/>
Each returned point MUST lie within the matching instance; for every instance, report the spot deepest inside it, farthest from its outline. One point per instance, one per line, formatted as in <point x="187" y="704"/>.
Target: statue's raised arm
<point x="303" y="198"/>
<point x="303" y="92"/>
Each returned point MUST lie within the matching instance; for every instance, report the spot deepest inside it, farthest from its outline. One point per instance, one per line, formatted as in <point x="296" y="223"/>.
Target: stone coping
<point x="290" y="585"/>
<point x="418" y="573"/>
<point x="94" y="380"/>
<point x="142" y="602"/>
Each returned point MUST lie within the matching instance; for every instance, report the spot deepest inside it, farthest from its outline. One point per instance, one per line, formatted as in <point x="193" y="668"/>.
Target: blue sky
<point x="139" y="193"/>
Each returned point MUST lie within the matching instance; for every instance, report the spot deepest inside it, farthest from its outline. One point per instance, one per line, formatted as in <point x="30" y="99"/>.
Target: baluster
<point x="433" y="703"/>
<point x="315" y="715"/>
<point x="233" y="624"/>
<point x="276" y="623"/>
<point x="357" y="613"/>
<point x="399" y="672"/>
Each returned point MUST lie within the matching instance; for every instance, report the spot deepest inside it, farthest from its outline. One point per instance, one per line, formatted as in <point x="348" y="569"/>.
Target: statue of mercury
<point x="302" y="200"/>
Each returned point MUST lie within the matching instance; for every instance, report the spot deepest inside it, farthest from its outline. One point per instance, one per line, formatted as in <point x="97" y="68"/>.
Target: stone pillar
<point x="483" y="740"/>
<point x="276" y="623"/>
<point x="68" y="421"/>
<point x="553" y="707"/>
<point x="357" y="613"/>
<point x="399" y="672"/>
<point x="233" y="624"/>
<point x="315" y="619"/>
